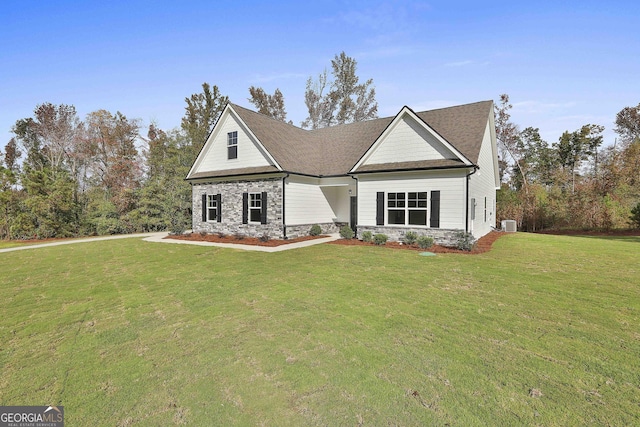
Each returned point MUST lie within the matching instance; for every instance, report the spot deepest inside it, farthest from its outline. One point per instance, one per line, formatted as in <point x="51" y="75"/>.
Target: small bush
<point x="367" y="236"/>
<point x="177" y="230"/>
<point x="346" y="232"/>
<point x="410" y="237"/>
<point x="465" y="241"/>
<point x="635" y="216"/>
<point x="380" y="239"/>
<point x="203" y="233"/>
<point x="264" y="238"/>
<point x="315" y="230"/>
<point x="221" y="235"/>
<point x="424" y="242"/>
<point x="238" y="236"/>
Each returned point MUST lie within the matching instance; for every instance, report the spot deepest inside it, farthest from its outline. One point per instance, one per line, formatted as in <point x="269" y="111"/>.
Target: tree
<point x="12" y="155"/>
<point x="355" y="101"/>
<point x="577" y="146"/>
<point x="628" y="124"/>
<point x="114" y="165"/>
<point x="506" y="136"/>
<point x="269" y="105"/>
<point x="319" y="104"/>
<point x="347" y="101"/>
<point x="202" y="112"/>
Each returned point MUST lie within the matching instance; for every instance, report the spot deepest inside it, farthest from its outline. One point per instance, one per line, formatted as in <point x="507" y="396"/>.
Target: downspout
<point x="466" y="223"/>
<point x="357" y="205"/>
<point x="284" y="223"/>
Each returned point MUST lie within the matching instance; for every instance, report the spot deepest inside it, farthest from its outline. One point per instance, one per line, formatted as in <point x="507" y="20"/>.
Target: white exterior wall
<point x="483" y="185"/>
<point x="451" y="185"/>
<point x="317" y="200"/>
<point x="214" y="158"/>
<point x="408" y="141"/>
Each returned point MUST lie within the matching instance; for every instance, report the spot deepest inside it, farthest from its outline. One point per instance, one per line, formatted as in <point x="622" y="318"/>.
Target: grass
<point x="542" y="330"/>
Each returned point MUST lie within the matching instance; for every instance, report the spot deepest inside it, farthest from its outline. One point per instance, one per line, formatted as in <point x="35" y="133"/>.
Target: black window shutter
<point x="204" y="208"/>
<point x="263" y="214"/>
<point x="435" y="209"/>
<point x="219" y="207"/>
<point x="245" y="208"/>
<point x="380" y="208"/>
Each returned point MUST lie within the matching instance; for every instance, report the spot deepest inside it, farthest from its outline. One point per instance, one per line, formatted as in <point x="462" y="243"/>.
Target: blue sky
<point x="564" y="64"/>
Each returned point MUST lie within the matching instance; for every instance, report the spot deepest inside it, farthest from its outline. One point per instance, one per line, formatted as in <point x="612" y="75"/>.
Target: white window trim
<point x="232" y="141"/>
<point x="212" y="200"/>
<point x="250" y="207"/>
<point x="407" y="209"/>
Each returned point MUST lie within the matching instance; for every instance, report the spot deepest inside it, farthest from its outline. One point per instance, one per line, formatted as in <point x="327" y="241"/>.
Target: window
<point x="232" y="145"/>
<point x="417" y="204"/>
<point x="212" y="207"/>
<point x="396" y="208"/>
<point x="407" y="208"/>
<point x="255" y="207"/>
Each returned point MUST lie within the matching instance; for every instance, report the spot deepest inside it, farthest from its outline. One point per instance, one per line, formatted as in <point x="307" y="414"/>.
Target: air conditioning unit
<point x="509" y="226"/>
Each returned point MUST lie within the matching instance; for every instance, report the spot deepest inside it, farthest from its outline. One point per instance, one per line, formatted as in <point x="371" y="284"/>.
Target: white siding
<point x="483" y="185"/>
<point x="451" y="185"/>
<point x="305" y="202"/>
<point x="408" y="141"/>
<point x="214" y="156"/>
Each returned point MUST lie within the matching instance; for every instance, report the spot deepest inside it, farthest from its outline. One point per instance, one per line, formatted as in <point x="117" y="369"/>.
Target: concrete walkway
<point x="304" y="244"/>
<point x="83" y="240"/>
<point x="159" y="237"/>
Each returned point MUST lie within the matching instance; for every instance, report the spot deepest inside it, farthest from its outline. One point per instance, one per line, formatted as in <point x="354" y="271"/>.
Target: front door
<point x="353" y="217"/>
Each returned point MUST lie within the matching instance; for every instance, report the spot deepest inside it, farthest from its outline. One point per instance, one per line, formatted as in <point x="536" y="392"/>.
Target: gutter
<point x="466" y="224"/>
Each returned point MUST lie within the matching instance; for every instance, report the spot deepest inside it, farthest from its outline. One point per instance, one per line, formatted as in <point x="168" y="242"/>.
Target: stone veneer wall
<point x="443" y="237"/>
<point x="294" y="231"/>
<point x="231" y="194"/>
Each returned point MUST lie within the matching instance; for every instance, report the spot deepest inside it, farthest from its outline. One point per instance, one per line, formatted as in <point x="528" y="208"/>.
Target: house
<point x="433" y="172"/>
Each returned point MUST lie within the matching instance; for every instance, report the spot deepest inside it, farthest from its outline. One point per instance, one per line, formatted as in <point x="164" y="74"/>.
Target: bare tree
<point x="269" y="105"/>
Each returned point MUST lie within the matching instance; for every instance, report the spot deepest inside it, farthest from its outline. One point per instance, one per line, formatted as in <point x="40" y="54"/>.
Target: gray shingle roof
<point x="335" y="150"/>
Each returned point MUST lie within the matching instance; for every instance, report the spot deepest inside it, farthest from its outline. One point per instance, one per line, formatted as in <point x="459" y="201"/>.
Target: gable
<point x="214" y="155"/>
<point x="408" y="140"/>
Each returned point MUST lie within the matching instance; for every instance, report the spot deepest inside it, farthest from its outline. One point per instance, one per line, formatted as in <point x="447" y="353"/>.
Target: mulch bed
<point x="483" y="245"/>
<point x="254" y="241"/>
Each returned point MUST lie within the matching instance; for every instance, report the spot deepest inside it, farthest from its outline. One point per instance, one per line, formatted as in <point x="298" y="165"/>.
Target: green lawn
<point x="542" y="330"/>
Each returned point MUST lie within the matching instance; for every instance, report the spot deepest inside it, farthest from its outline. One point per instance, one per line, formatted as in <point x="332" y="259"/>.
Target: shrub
<point x="635" y="216"/>
<point x="380" y="239"/>
<point x="203" y="233"/>
<point x="367" y="236"/>
<point x="465" y="241"/>
<point x="238" y="236"/>
<point x="410" y="237"/>
<point x="424" y="242"/>
<point x="177" y="229"/>
<point x="315" y="230"/>
<point x="346" y="232"/>
<point x="221" y="235"/>
<point x="264" y="238"/>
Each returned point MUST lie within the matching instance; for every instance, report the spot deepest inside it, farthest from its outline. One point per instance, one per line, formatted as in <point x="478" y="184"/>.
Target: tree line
<point x="63" y="176"/>
<point x="574" y="183"/>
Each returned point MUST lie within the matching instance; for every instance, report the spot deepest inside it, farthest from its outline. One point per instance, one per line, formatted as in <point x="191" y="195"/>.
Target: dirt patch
<point x="253" y="241"/>
<point x="483" y="245"/>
